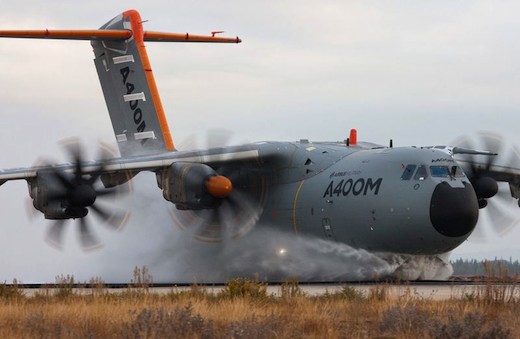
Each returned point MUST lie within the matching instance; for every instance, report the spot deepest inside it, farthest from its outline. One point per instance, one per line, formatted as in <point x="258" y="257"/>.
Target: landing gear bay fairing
<point x="399" y="200"/>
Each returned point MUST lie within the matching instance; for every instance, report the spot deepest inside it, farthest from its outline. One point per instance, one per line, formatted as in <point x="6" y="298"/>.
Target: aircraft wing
<point x="502" y="173"/>
<point x="502" y="164"/>
<point x="145" y="163"/>
<point x="499" y="173"/>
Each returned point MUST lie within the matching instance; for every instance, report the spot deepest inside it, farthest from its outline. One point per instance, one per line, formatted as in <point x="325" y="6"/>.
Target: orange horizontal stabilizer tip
<point x="353" y="136"/>
<point x="219" y="186"/>
<point x="106" y="34"/>
<point x="93" y="34"/>
<point x="186" y="37"/>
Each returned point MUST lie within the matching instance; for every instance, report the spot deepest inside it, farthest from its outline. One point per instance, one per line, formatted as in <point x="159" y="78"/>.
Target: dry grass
<point x="244" y="310"/>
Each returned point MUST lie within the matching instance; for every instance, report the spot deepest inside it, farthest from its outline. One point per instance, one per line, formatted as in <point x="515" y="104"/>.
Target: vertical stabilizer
<point x="130" y="91"/>
<point x="126" y="77"/>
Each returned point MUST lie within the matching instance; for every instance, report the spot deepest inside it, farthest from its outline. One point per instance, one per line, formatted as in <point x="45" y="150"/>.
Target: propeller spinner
<point x="239" y="196"/>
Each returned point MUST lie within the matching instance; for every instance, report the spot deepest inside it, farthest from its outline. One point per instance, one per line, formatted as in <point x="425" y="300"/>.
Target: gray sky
<point x="420" y="73"/>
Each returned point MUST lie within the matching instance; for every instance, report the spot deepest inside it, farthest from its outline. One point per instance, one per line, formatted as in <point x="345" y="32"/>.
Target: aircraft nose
<point x="454" y="211"/>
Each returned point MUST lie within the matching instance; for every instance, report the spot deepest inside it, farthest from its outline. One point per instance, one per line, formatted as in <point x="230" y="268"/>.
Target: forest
<point x="489" y="268"/>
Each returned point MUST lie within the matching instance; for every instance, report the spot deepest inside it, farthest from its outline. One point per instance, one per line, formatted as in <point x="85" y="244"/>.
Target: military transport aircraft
<point x="407" y="200"/>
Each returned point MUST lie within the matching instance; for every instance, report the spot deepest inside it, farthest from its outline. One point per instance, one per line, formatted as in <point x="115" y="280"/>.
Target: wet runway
<point x="418" y="290"/>
<point x="414" y="290"/>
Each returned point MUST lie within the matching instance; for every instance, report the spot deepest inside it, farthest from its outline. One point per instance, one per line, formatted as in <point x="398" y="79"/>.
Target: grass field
<point x="243" y="309"/>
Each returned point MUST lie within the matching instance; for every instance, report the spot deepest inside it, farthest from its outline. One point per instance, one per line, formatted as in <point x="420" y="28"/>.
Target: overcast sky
<point x="420" y="73"/>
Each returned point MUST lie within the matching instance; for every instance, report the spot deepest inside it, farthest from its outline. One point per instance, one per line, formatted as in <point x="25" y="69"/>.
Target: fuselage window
<point x="422" y="173"/>
<point x="440" y="171"/>
<point x="408" y="172"/>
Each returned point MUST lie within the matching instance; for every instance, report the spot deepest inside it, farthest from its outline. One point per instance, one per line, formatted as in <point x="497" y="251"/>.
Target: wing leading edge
<point x="142" y="163"/>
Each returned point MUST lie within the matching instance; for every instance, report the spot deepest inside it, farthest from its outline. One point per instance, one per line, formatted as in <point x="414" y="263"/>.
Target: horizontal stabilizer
<point x="91" y="34"/>
<point x="114" y="34"/>
<point x="179" y="37"/>
<point x="126" y="77"/>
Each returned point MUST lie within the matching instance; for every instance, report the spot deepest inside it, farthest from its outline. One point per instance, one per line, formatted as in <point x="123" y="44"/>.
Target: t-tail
<point x="126" y="77"/>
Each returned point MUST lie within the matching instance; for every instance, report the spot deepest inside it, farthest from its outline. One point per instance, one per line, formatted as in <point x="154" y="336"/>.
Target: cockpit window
<point x="408" y="172"/>
<point x="440" y="171"/>
<point x="457" y="172"/>
<point x="421" y="173"/>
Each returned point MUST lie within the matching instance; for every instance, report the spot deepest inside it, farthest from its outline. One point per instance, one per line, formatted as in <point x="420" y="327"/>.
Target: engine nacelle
<point x="184" y="184"/>
<point x="44" y="186"/>
<point x="116" y="178"/>
<point x="485" y="187"/>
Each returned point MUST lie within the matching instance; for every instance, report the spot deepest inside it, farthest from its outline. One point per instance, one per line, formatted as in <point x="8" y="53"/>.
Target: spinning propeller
<point x="235" y="216"/>
<point x="238" y="207"/>
<point x="499" y="208"/>
<point x="76" y="194"/>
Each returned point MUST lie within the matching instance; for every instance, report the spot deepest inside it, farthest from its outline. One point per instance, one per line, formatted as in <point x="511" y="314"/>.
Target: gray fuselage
<point x="400" y="200"/>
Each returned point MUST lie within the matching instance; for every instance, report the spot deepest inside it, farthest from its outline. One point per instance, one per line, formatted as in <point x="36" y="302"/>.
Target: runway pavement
<point x="421" y="290"/>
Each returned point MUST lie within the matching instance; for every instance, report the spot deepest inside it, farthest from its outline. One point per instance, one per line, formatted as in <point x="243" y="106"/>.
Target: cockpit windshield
<point x="421" y="174"/>
<point x="439" y="171"/>
<point x="408" y="172"/>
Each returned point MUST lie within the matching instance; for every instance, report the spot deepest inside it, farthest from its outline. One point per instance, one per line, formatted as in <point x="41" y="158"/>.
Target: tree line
<point x="494" y="268"/>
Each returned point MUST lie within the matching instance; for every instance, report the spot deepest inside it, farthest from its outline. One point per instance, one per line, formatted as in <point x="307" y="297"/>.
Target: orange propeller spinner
<point x="219" y="186"/>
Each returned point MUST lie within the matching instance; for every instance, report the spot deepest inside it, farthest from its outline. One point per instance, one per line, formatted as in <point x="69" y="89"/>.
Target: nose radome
<point x="454" y="211"/>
